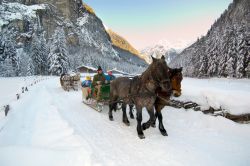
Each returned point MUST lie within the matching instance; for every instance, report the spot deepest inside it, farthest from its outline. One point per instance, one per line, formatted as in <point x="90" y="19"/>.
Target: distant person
<point x="86" y="88"/>
<point x="98" y="81"/>
<point x="110" y="77"/>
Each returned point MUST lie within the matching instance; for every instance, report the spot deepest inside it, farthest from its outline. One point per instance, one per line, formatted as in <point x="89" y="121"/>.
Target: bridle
<point x="158" y="82"/>
<point x="174" y="78"/>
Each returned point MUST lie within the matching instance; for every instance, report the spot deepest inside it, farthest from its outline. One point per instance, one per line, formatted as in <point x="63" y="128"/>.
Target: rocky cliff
<point x="50" y="36"/>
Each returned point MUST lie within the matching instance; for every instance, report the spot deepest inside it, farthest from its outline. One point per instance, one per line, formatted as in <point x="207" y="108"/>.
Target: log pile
<point x="242" y="118"/>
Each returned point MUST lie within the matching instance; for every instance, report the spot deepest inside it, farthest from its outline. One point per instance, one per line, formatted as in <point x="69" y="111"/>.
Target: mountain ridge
<point x="224" y="51"/>
<point x="122" y="43"/>
<point x="166" y="48"/>
<point x="70" y="33"/>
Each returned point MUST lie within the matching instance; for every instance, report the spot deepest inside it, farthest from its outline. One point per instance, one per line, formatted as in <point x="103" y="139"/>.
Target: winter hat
<point x="88" y="78"/>
<point x="99" y="68"/>
<point x="110" y="72"/>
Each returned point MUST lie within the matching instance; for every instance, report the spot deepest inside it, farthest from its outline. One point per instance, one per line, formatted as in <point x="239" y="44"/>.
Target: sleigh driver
<point x="98" y="81"/>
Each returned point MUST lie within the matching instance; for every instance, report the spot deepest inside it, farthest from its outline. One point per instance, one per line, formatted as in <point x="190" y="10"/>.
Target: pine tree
<point x="58" y="57"/>
<point x="247" y="70"/>
<point x="39" y="54"/>
<point x="44" y="56"/>
<point x="212" y="63"/>
<point x="9" y="55"/>
<point x="36" y="54"/>
<point x="232" y="55"/>
<point x="241" y="50"/>
<point x="2" y="47"/>
<point x="30" y="68"/>
<point x="23" y="61"/>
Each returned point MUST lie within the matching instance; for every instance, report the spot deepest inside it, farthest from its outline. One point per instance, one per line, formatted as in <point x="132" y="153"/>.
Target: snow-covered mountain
<point x="225" y="50"/>
<point x="49" y="36"/>
<point x="120" y="44"/>
<point x="166" y="48"/>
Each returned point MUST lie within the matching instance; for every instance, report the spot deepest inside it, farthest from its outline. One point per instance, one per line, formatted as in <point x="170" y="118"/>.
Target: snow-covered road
<point x="51" y="127"/>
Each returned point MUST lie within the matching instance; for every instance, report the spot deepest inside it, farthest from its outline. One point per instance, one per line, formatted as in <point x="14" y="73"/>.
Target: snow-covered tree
<point x="247" y="70"/>
<point x="58" y="56"/>
<point x="39" y="54"/>
<point x="30" y="68"/>
<point x="8" y="54"/>
<point x="241" y="50"/>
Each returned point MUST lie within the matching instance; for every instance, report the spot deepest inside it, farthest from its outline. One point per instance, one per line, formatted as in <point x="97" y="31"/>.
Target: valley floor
<point x="51" y="127"/>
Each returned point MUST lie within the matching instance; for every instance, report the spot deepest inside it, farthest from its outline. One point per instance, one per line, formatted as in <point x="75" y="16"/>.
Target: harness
<point x="156" y="82"/>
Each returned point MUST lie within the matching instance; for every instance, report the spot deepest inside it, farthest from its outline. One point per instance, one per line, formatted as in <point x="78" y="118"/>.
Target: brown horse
<point x="162" y="100"/>
<point x="141" y="91"/>
<point x="176" y="78"/>
<point x="163" y="97"/>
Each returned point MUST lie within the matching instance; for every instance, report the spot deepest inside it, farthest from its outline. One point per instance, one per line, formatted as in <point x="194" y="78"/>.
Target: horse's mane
<point x="148" y="73"/>
<point x="175" y="71"/>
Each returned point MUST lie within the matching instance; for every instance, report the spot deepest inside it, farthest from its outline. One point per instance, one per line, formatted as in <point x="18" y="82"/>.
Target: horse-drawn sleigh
<point x="68" y="81"/>
<point x="98" y="104"/>
<point x="151" y="90"/>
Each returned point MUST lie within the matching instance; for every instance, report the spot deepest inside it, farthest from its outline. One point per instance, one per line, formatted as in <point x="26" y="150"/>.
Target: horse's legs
<point x="112" y="106"/>
<point x="161" y="127"/>
<point x="139" y="120"/>
<point x="131" y="111"/>
<point x="124" y="114"/>
<point x="156" y="116"/>
<point x="151" y="120"/>
<point x="110" y="112"/>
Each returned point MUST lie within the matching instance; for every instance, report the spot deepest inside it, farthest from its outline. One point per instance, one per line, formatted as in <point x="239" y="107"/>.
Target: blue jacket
<point x="109" y="77"/>
<point x="86" y="83"/>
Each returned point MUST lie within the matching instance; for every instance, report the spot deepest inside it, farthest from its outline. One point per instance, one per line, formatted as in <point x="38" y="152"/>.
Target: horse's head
<point x="176" y="78"/>
<point x="161" y="73"/>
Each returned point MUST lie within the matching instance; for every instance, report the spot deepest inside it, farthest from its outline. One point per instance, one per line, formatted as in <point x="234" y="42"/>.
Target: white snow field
<point x="11" y="86"/>
<point x="51" y="127"/>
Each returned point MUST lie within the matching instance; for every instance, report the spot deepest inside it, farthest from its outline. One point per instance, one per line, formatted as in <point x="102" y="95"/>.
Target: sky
<point x="147" y="22"/>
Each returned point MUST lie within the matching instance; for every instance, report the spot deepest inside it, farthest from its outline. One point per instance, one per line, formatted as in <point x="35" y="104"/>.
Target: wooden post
<point x="17" y="96"/>
<point x="6" y="109"/>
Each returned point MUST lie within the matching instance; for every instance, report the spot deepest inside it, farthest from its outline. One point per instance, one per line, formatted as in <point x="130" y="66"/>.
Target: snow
<point x="13" y="85"/>
<point x="89" y="67"/>
<point x="49" y="126"/>
<point x="17" y="11"/>
<point x="230" y="94"/>
<point x="83" y="20"/>
<point x="178" y="45"/>
<point x="164" y="47"/>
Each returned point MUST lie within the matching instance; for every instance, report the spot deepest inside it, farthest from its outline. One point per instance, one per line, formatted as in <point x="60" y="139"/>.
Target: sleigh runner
<point x="103" y="101"/>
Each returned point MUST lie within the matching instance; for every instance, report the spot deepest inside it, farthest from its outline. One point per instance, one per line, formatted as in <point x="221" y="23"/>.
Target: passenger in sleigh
<point x="110" y="77"/>
<point x="86" y="88"/>
<point x="98" y="81"/>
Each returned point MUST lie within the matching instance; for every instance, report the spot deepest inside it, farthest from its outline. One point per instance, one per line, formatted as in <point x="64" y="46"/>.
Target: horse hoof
<point x="144" y="126"/>
<point x="164" y="133"/>
<point x="153" y="125"/>
<point x="111" y="118"/>
<point x="126" y="123"/>
<point x="141" y="136"/>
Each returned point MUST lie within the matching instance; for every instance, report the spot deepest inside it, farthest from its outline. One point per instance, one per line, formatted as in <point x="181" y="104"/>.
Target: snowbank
<point x="230" y="94"/>
<point x="51" y="127"/>
<point x="11" y="86"/>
